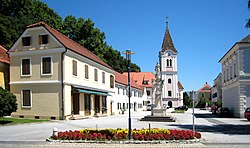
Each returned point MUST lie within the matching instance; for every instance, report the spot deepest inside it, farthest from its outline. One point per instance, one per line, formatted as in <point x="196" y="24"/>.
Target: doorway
<point x="76" y="103"/>
<point x="97" y="104"/>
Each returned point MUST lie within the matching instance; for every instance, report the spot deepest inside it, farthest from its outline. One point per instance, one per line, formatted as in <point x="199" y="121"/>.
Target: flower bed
<point x="122" y="134"/>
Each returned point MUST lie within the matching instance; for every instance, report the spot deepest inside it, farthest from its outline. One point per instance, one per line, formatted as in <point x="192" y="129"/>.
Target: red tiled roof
<point x="4" y="57"/>
<point x="180" y="85"/>
<point x="205" y="88"/>
<point x="70" y="44"/>
<point x="142" y="76"/>
<point x="122" y="79"/>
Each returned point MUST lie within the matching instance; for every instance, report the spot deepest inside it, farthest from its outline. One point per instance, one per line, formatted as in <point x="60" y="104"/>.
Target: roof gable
<point x="70" y="44"/>
<point x="205" y="88"/>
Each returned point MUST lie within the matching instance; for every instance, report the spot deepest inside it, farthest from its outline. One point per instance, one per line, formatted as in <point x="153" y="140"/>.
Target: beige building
<point x="54" y="77"/>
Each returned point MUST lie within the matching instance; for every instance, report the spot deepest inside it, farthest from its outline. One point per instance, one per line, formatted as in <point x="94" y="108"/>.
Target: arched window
<point x="170" y="63"/>
<point x="167" y="63"/>
<point x="169" y="81"/>
<point x="169" y="93"/>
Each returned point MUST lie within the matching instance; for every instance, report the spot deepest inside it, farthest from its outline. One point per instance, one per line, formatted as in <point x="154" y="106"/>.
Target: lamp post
<point x="128" y="57"/>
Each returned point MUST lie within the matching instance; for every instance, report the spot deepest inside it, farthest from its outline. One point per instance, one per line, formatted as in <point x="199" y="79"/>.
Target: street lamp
<point x="128" y="57"/>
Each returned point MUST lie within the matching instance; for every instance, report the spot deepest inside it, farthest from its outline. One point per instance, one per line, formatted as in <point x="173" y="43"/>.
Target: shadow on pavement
<point x="208" y="115"/>
<point x="222" y="128"/>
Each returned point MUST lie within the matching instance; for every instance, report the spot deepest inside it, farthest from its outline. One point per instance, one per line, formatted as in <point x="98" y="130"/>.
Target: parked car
<point x="223" y="112"/>
<point x="181" y="108"/>
<point x="149" y="107"/>
<point x="247" y="113"/>
<point x="213" y="109"/>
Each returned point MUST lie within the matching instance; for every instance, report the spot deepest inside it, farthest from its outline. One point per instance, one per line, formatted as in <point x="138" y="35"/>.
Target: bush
<point x="7" y="102"/>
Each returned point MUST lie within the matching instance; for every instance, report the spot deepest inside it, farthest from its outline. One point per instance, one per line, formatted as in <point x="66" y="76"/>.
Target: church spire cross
<point x="167" y="21"/>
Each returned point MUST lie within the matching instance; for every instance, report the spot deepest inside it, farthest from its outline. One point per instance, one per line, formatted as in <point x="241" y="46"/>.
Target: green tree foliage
<point x="186" y="99"/>
<point x="84" y="32"/>
<point x="15" y="15"/>
<point x="7" y="102"/>
<point x="248" y="20"/>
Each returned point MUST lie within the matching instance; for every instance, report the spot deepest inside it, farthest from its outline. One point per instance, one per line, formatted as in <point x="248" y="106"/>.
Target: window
<point x="26" y="41"/>
<point x="112" y="81"/>
<point x="167" y="62"/>
<point x="26" y="67"/>
<point x="135" y="93"/>
<point x="46" y="65"/>
<point x="169" y="81"/>
<point x="118" y="90"/>
<point x="148" y="93"/>
<point x="235" y="70"/>
<point x="43" y="39"/>
<point x="74" y="63"/>
<point x="224" y="76"/>
<point x="103" y="77"/>
<point x="123" y="91"/>
<point x="227" y="75"/>
<point x="26" y="97"/>
<point x="170" y="63"/>
<point x="96" y="74"/>
<point x="231" y="72"/>
<point x="169" y="93"/>
<point x="86" y="72"/>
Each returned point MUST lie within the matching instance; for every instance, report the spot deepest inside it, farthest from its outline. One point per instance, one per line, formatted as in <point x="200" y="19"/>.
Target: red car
<point x="247" y="113"/>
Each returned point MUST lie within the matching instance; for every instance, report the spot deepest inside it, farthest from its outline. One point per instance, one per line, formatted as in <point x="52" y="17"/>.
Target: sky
<point x="202" y="30"/>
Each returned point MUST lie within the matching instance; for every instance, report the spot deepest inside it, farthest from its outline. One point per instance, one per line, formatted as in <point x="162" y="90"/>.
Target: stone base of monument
<point x="159" y="112"/>
<point x="159" y="115"/>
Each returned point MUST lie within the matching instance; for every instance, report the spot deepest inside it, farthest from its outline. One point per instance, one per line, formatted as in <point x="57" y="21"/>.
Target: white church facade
<point x="172" y="91"/>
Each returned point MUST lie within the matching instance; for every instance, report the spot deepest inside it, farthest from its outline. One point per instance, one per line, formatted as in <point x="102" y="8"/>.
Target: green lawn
<point x="8" y="121"/>
<point x="178" y="111"/>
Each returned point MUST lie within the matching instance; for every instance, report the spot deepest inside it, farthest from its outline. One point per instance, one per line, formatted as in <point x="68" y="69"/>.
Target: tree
<point x="248" y="20"/>
<point x="16" y="15"/>
<point x="186" y="99"/>
<point x="84" y="32"/>
<point x="7" y="102"/>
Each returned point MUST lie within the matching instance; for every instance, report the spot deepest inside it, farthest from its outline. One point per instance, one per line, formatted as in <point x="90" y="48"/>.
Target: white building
<point x="120" y="99"/>
<point x="172" y="89"/>
<point x="236" y="77"/>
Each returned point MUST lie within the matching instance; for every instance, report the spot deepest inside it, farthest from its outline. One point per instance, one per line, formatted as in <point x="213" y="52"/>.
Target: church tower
<point x="171" y="93"/>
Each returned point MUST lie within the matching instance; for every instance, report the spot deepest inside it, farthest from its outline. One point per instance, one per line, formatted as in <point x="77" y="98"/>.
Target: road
<point x="214" y="130"/>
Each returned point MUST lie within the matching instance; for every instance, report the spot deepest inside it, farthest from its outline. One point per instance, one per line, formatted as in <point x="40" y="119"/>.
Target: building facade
<point x="144" y="80"/>
<point x="216" y="90"/>
<point x="172" y="94"/>
<point x="236" y="77"/>
<point x="121" y="102"/>
<point x="4" y="68"/>
<point x="204" y="96"/>
<point x="54" y="77"/>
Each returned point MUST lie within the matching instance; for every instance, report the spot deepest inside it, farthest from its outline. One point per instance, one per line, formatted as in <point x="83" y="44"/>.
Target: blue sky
<point x="202" y="30"/>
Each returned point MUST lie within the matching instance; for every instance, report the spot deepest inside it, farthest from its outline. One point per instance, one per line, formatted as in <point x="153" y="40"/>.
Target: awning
<point x="93" y="92"/>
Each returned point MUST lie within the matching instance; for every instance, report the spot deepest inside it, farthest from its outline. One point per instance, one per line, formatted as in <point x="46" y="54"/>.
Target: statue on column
<point x="158" y="87"/>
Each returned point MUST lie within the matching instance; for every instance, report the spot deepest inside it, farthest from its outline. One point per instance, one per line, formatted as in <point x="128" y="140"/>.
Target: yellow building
<point x="54" y="77"/>
<point x="4" y="68"/>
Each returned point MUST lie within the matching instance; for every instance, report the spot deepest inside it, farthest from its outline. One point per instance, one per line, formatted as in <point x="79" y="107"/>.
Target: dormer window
<point x="26" y="41"/>
<point x="43" y="39"/>
<point x="145" y="82"/>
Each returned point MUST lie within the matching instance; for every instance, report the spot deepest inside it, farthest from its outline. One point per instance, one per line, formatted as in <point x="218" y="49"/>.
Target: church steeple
<point x="167" y="41"/>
